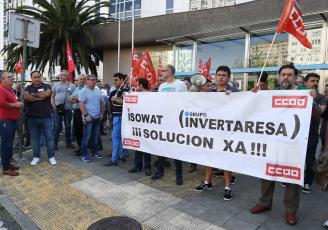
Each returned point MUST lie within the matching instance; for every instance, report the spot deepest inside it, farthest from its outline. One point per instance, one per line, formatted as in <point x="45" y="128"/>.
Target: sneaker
<point x="325" y="225"/>
<point x="218" y="173"/>
<point x="52" y="161"/>
<point x="204" y="186"/>
<point x="233" y="180"/>
<point x="35" y="161"/>
<point x="97" y="155"/>
<point x="86" y="158"/>
<point x="227" y="194"/>
<point x="306" y="189"/>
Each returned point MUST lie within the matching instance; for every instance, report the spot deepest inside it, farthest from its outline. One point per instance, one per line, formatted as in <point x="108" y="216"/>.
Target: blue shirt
<point x="92" y="101"/>
<point x="76" y="93"/>
<point x="230" y="88"/>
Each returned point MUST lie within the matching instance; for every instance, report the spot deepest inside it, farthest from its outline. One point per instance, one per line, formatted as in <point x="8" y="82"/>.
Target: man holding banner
<point x="171" y="85"/>
<point x="287" y="77"/>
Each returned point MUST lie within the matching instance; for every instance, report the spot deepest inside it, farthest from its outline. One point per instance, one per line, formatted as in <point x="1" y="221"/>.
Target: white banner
<point x="260" y="134"/>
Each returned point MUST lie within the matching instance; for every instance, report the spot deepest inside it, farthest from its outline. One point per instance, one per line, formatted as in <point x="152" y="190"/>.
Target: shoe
<point x="12" y="161"/>
<point x="14" y="167"/>
<point x="134" y="170"/>
<point x="204" y="186"/>
<point x="148" y="172"/>
<point x="111" y="163"/>
<point x="192" y="169"/>
<point x="227" y="194"/>
<point x="306" y="189"/>
<point x="52" y="161"/>
<point x="70" y="146"/>
<point x="233" y="180"/>
<point x="218" y="173"/>
<point x="167" y="164"/>
<point x="291" y="218"/>
<point x="325" y="225"/>
<point x="259" y="208"/>
<point x="179" y="181"/>
<point x="283" y="185"/>
<point x="86" y="158"/>
<point x="156" y="176"/>
<point x="10" y="172"/>
<point x="35" y="161"/>
<point x="97" y="155"/>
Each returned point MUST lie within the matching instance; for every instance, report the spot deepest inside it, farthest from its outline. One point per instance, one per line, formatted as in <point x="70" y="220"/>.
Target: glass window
<point x="184" y="58"/>
<point x="169" y="11"/>
<point x="128" y="6"/>
<point x="260" y="46"/>
<point x="229" y="53"/>
<point x="137" y="4"/>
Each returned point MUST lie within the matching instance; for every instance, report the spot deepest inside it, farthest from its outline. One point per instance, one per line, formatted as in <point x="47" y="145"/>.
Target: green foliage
<point x="62" y="20"/>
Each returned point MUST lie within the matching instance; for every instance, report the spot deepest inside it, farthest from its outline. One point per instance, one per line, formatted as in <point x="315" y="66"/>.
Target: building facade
<point x="239" y="42"/>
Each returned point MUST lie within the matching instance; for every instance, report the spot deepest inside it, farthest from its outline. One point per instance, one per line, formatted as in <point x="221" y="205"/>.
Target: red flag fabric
<point x="291" y="21"/>
<point x="160" y="69"/>
<point x="70" y="61"/>
<point x="204" y="69"/>
<point x="19" y="65"/>
<point x="147" y="69"/>
<point x="135" y="70"/>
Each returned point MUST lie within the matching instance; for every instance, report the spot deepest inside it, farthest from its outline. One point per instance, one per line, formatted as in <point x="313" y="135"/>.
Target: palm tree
<point x="61" y="21"/>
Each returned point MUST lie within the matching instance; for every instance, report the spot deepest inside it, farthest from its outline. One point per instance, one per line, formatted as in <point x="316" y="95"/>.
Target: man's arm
<point x="29" y="97"/>
<point x="82" y="108"/>
<point x="43" y="95"/>
<point x="7" y="105"/>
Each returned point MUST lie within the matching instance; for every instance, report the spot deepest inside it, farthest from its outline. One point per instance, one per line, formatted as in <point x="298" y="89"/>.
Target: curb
<point x="18" y="215"/>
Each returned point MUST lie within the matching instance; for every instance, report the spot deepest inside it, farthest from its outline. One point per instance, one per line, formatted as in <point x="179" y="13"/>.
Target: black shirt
<point x="40" y="109"/>
<point x="116" y="109"/>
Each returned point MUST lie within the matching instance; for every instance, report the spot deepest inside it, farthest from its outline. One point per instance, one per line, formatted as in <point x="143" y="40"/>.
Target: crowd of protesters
<point x="83" y="109"/>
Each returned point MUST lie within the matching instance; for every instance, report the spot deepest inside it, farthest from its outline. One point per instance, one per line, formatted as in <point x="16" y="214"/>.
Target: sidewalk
<point x="74" y="194"/>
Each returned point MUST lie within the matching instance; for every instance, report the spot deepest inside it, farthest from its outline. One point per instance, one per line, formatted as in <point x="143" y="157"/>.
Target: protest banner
<point x="260" y="134"/>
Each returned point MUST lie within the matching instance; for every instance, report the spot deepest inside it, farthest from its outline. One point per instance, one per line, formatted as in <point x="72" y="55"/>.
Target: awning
<point x="223" y="23"/>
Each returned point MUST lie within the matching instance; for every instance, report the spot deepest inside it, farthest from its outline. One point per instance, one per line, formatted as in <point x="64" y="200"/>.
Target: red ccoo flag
<point x="135" y="70"/>
<point x="19" y="65"/>
<point x="70" y="61"/>
<point x="147" y="69"/>
<point x="291" y="22"/>
<point x="204" y="69"/>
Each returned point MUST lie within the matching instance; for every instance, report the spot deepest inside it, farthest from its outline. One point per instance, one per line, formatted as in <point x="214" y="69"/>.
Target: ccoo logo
<point x="131" y="143"/>
<point x="131" y="99"/>
<point x="299" y="102"/>
<point x="283" y="171"/>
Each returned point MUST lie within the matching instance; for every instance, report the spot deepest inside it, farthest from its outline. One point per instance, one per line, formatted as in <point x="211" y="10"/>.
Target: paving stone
<point x="248" y="217"/>
<point x="234" y="224"/>
<point x="156" y="223"/>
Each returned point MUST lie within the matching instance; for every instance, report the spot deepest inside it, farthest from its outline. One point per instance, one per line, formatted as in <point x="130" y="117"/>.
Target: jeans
<point x="41" y="127"/>
<point x="117" y="139"/>
<point x="178" y="167"/>
<point x="310" y="158"/>
<point x="78" y="126"/>
<point x="90" y="136"/>
<point x="139" y="158"/>
<point x="58" y="123"/>
<point x="7" y="133"/>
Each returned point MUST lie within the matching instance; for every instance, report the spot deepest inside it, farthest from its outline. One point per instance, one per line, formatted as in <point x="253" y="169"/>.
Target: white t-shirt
<point x="176" y="86"/>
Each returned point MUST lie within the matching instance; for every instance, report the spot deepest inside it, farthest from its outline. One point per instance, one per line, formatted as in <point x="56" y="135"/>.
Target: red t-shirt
<point x="7" y="112"/>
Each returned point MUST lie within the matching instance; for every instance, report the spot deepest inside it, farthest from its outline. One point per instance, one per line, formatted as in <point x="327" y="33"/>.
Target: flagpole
<point x="132" y="42"/>
<point x="118" y="6"/>
<point x="267" y="57"/>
